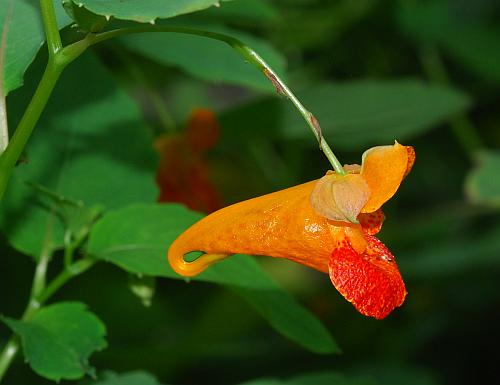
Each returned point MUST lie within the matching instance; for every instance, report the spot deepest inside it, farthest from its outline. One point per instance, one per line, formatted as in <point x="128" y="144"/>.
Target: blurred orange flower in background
<point x="183" y="175"/>
<point x="326" y="224"/>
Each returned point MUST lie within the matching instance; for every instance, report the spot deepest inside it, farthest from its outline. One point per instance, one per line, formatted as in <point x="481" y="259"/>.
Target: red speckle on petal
<point x="411" y="159"/>
<point x="372" y="222"/>
<point x="370" y="281"/>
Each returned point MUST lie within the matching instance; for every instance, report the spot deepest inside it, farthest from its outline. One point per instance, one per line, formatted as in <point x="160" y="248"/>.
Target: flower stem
<point x="50" y="25"/>
<point x="25" y="127"/>
<point x="56" y="64"/>
<point x="8" y="354"/>
<point x="252" y="57"/>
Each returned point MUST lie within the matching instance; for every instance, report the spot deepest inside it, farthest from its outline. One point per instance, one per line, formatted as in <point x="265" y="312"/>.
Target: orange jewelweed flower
<point x="183" y="175"/>
<point x="327" y="224"/>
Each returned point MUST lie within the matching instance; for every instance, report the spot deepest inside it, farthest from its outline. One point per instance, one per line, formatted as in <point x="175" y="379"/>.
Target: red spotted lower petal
<point x="370" y="281"/>
<point x="372" y="222"/>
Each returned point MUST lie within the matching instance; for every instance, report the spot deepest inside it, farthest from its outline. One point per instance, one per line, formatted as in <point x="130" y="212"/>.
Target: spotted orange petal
<point x="411" y="159"/>
<point x="370" y="280"/>
<point x="372" y="222"/>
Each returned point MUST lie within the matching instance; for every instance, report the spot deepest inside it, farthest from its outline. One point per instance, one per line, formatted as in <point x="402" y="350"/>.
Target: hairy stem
<point x="252" y="57"/>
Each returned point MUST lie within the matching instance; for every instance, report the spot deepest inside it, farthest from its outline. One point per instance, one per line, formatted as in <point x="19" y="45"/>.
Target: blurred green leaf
<point x="146" y="11"/>
<point x="313" y="24"/>
<point x="453" y="256"/>
<point x="91" y="146"/>
<point x="264" y="381"/>
<point x="25" y="36"/>
<point x="329" y="378"/>
<point x="137" y="238"/>
<point x="483" y="184"/>
<point x="208" y="59"/>
<point x="87" y="21"/>
<point x="58" y="339"/>
<point x="472" y="43"/>
<point x="287" y="316"/>
<point x="129" y="378"/>
<point x="319" y="378"/>
<point x="252" y="11"/>
<point x="351" y="114"/>
<point x="394" y="373"/>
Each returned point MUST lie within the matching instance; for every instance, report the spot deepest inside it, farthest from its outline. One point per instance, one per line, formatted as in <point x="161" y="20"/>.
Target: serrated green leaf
<point x="352" y="114"/>
<point x="146" y="11"/>
<point x="25" y="36"/>
<point x="90" y="146"/>
<point x="208" y="59"/>
<point x="137" y="238"/>
<point x="58" y="339"/>
<point x="483" y="185"/>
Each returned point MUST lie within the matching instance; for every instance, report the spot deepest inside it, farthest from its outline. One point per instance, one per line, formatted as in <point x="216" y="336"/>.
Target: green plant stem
<point x="25" y="127"/>
<point x="461" y="126"/>
<point x="59" y="58"/>
<point x="50" y="25"/>
<point x="8" y="354"/>
<point x="37" y="300"/>
<point x="56" y="64"/>
<point x="41" y="271"/>
<point x="67" y="274"/>
<point x="69" y="248"/>
<point x="252" y="57"/>
<point x="4" y="129"/>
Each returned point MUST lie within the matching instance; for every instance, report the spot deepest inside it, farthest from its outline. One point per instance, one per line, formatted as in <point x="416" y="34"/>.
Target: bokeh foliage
<point x="373" y="71"/>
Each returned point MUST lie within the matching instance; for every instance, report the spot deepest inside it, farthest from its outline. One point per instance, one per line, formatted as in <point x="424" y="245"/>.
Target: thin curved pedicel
<point x="289" y="224"/>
